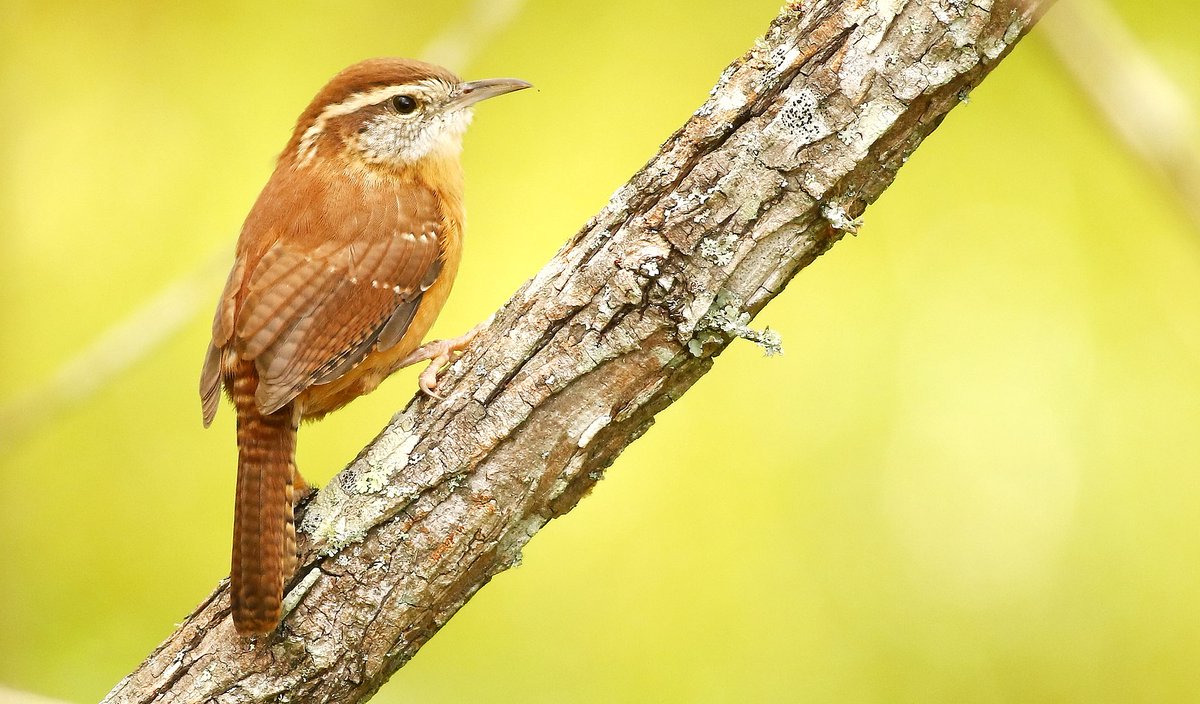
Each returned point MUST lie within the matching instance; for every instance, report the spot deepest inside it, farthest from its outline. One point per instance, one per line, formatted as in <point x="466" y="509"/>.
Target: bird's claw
<point x="440" y="355"/>
<point x="428" y="381"/>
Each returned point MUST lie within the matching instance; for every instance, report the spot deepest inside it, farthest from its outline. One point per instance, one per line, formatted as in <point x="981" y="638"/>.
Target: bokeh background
<point x="973" y="476"/>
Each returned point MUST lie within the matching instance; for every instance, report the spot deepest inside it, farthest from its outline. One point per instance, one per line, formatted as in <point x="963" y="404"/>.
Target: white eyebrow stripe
<point x="308" y="141"/>
<point x="357" y="101"/>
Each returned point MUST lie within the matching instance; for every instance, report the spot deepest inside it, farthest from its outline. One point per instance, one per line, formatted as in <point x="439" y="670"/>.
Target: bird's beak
<point x="472" y="92"/>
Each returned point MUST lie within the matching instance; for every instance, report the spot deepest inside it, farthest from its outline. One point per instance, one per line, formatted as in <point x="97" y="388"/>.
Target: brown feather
<point x="264" y="534"/>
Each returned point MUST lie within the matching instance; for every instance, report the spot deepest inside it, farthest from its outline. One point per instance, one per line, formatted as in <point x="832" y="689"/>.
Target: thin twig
<point x="136" y="336"/>
<point x="1149" y="112"/>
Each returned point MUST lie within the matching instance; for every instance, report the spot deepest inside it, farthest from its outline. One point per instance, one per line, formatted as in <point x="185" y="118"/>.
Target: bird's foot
<point x="440" y="354"/>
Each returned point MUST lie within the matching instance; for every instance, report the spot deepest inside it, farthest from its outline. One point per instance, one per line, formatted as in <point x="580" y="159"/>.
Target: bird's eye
<point x="404" y="104"/>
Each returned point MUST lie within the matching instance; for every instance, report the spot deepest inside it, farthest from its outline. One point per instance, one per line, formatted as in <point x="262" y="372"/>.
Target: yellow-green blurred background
<point x="973" y="477"/>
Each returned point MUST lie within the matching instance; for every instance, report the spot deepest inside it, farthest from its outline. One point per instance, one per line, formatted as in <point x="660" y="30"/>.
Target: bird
<point x="341" y="267"/>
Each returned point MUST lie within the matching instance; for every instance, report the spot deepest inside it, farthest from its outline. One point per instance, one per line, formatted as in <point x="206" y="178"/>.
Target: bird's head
<point x="390" y="112"/>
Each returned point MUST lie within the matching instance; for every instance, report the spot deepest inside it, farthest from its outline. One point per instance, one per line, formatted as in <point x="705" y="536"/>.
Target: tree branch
<point x="798" y="136"/>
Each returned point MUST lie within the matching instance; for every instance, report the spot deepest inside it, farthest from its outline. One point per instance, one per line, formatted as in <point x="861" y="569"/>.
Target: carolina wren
<point x="342" y="266"/>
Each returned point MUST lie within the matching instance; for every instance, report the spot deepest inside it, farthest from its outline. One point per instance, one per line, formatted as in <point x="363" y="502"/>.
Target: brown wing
<point x="327" y="271"/>
<point x="210" y="375"/>
<point x="308" y="318"/>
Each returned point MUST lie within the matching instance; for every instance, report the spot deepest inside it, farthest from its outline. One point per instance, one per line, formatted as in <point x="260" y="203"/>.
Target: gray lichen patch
<point x="947" y="11"/>
<point x="370" y="480"/>
<point x="727" y="319"/>
<point x="839" y="219"/>
<point x="388" y="454"/>
<point x="993" y="47"/>
<point x="326" y="520"/>
<point x="719" y="249"/>
<point x="327" y="502"/>
<point x="799" y="122"/>
<point x="345" y="510"/>
<point x="688" y="201"/>
<point x="730" y="101"/>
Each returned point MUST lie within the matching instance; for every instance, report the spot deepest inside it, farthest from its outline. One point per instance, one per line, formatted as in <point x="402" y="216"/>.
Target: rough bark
<point x="798" y="136"/>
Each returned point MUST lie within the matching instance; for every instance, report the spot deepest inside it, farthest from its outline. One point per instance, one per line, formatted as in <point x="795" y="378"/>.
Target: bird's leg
<point x="439" y="353"/>
<point x="300" y="488"/>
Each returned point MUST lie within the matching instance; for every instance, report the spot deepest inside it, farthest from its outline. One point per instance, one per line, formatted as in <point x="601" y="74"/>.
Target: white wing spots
<point x="376" y="283"/>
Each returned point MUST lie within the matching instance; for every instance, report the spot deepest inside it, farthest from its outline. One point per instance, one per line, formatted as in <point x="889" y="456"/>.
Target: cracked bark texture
<point x="797" y="137"/>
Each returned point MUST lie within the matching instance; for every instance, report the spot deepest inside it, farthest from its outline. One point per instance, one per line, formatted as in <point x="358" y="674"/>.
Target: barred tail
<point x="264" y="535"/>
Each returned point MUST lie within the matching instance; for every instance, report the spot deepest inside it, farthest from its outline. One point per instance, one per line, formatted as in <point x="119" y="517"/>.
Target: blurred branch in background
<point x="458" y="46"/>
<point x="152" y="324"/>
<point x="1137" y="96"/>
<point x="13" y="696"/>
<point x="131" y="339"/>
<point x="797" y="137"/>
